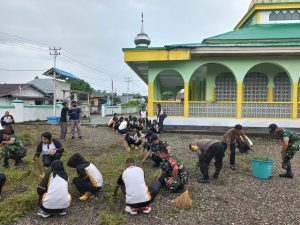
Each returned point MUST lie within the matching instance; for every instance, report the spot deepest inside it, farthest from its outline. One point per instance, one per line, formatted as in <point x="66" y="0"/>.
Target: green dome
<point x="272" y="1"/>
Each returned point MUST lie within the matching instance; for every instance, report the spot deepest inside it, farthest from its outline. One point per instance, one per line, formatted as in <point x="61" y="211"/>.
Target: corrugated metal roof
<point x="46" y="85"/>
<point x="60" y="74"/>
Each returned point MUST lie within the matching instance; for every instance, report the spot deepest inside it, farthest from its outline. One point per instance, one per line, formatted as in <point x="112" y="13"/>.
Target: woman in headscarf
<point x="89" y="181"/>
<point x="54" y="197"/>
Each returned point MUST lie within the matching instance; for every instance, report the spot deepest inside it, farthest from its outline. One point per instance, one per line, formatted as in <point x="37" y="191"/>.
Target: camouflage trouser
<point x="154" y="156"/>
<point x="146" y="145"/>
<point x="289" y="154"/>
<point x="13" y="152"/>
<point x="179" y="182"/>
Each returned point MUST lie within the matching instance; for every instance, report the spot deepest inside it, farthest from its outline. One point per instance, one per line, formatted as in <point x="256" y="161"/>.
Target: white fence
<point x="110" y="110"/>
<point x="23" y="113"/>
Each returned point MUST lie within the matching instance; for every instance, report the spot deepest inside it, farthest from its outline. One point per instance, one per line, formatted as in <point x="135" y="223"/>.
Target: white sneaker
<point x="63" y="213"/>
<point x="42" y="213"/>
<point x="147" y="209"/>
<point x="127" y="209"/>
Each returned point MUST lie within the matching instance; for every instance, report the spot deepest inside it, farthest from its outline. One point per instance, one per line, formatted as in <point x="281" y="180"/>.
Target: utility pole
<point x="128" y="80"/>
<point x="55" y="52"/>
<point x="112" y="91"/>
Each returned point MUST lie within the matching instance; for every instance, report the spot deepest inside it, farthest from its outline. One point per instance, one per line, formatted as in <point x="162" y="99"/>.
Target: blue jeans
<point x="232" y="152"/>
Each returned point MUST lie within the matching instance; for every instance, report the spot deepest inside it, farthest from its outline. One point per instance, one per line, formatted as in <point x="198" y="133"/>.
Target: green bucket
<point x="262" y="168"/>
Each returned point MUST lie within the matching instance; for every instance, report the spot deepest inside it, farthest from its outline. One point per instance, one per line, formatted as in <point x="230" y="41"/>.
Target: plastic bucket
<point x="53" y="119"/>
<point x="262" y="168"/>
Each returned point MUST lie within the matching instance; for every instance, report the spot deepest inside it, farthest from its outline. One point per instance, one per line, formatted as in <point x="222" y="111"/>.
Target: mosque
<point x="249" y="75"/>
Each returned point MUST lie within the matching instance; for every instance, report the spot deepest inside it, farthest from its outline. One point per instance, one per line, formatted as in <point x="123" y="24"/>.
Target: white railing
<point x="214" y="109"/>
<point x="278" y="110"/>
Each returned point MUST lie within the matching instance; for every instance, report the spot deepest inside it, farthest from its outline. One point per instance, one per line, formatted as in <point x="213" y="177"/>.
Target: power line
<point x="21" y="70"/>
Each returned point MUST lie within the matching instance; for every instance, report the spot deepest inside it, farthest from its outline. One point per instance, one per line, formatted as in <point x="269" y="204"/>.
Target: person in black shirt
<point x="132" y="140"/>
<point x="63" y="122"/>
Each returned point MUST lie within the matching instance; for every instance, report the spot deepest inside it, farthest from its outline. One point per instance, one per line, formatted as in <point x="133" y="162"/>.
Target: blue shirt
<point x="74" y="113"/>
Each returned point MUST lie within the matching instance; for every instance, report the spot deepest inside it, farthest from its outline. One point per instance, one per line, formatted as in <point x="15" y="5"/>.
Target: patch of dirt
<point x="235" y="198"/>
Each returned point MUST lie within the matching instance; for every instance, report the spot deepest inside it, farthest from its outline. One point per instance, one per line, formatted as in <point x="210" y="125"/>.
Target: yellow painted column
<point x="194" y="90"/>
<point x="213" y="94"/>
<point x="270" y="94"/>
<point x="239" y="100"/>
<point x="150" y="98"/>
<point x="257" y="17"/>
<point x="186" y="100"/>
<point x="295" y="101"/>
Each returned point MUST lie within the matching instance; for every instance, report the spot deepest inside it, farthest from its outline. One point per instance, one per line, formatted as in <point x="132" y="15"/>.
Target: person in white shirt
<point x="144" y="116"/>
<point x="123" y="128"/>
<point x="7" y="119"/>
<point x="133" y="186"/>
<point x="50" y="149"/>
<point x="54" y="197"/>
<point x="89" y="181"/>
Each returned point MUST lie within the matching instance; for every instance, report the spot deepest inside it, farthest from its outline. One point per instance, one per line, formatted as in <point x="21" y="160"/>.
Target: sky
<point x="92" y="34"/>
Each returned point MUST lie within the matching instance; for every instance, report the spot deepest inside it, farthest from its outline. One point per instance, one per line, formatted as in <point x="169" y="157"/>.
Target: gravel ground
<point x="235" y="198"/>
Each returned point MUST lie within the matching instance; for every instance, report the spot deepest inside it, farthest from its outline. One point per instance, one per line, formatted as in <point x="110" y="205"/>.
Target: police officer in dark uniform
<point x="156" y="145"/>
<point x="207" y="149"/>
<point x="290" y="145"/>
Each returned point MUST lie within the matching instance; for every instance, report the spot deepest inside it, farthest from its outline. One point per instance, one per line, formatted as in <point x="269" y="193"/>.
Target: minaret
<point x="142" y="39"/>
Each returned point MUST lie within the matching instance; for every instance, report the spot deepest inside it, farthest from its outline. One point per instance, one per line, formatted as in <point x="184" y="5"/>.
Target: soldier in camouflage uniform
<point x="12" y="148"/>
<point x="290" y="145"/>
<point x="173" y="175"/>
<point x="156" y="145"/>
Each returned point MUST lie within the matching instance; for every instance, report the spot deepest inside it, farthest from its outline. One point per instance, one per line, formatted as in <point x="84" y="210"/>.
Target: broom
<point x="184" y="200"/>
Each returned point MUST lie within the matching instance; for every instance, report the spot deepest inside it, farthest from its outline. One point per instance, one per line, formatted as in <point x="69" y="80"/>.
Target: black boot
<point x="286" y="175"/>
<point x="203" y="180"/>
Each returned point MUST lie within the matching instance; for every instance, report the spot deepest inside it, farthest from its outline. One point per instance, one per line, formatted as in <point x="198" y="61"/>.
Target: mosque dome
<point x="253" y="2"/>
<point x="142" y="39"/>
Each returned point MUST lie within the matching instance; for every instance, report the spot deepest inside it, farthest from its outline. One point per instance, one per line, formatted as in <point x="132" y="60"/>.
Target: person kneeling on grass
<point x="89" y="181"/>
<point x="2" y="182"/>
<point x="206" y="150"/>
<point x="155" y="146"/>
<point x="133" y="186"/>
<point x="173" y="175"/>
<point x="51" y="149"/>
<point x="12" y="148"/>
<point x="54" y="197"/>
<point x="132" y="140"/>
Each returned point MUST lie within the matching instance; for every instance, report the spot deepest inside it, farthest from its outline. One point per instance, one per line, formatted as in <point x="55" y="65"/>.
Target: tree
<point x="81" y="85"/>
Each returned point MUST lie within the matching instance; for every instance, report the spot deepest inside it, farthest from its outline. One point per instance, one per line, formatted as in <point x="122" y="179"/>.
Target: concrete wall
<point x="110" y="110"/>
<point x="62" y="86"/>
<point x="23" y="113"/>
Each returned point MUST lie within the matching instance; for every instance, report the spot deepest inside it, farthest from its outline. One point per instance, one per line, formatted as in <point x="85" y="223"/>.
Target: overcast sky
<point x="97" y="30"/>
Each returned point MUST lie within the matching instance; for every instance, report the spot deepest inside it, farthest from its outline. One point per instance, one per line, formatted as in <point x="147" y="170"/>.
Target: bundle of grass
<point x="184" y="200"/>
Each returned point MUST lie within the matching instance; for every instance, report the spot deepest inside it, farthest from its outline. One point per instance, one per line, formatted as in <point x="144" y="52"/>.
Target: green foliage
<point x="131" y="103"/>
<point x="81" y="85"/>
<point x="262" y="158"/>
<point x="107" y="218"/>
<point x="27" y="138"/>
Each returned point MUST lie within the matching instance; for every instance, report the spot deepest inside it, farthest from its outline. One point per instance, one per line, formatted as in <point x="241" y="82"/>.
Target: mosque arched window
<point x="284" y="15"/>
<point x="282" y="88"/>
<point x="256" y="87"/>
<point x="225" y="87"/>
